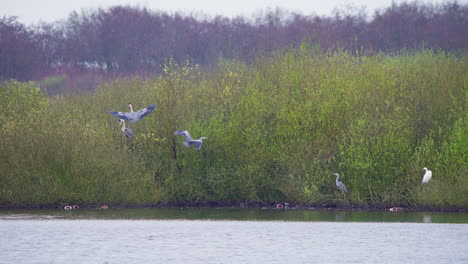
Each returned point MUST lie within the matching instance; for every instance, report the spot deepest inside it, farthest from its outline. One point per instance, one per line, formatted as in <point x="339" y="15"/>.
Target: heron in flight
<point x="189" y="141"/>
<point x="340" y="184"/>
<point x="133" y="116"/>
<point x="427" y="176"/>
<point x="127" y="131"/>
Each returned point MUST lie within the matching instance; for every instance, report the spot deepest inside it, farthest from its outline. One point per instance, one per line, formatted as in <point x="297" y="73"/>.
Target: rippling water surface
<point x="231" y="236"/>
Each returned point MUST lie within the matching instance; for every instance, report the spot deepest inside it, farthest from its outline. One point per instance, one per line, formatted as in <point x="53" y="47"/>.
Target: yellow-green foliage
<point x="62" y="150"/>
<point x="276" y="130"/>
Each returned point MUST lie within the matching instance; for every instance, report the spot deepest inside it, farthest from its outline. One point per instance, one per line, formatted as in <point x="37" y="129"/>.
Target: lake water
<point x="231" y="236"/>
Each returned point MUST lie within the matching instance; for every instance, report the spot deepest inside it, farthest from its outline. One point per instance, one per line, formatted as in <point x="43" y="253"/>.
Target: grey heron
<point x="427" y="176"/>
<point x="127" y="131"/>
<point x="133" y="116"/>
<point x="189" y="141"/>
<point x="340" y="184"/>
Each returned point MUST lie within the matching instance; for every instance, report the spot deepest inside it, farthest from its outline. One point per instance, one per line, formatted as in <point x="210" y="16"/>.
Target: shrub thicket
<point x="275" y="130"/>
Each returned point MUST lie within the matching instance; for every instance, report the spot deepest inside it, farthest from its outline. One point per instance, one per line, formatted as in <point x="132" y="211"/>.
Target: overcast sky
<point x="34" y="11"/>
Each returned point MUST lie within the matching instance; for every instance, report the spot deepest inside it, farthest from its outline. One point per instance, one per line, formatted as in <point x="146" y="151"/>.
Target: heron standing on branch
<point x="133" y="116"/>
<point x="340" y="184"/>
<point x="189" y="141"/>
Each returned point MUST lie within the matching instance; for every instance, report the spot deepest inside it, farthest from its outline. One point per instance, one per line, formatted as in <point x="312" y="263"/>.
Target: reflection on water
<point x="427" y="218"/>
<point x="340" y="216"/>
<point x="241" y="214"/>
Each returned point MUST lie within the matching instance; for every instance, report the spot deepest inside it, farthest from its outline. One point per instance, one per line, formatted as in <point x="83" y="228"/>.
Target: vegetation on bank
<point x="276" y="129"/>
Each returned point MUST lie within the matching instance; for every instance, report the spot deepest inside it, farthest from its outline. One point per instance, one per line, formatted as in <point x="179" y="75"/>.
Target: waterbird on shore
<point x="127" y="131"/>
<point x="189" y="141"/>
<point x="133" y="116"/>
<point x="427" y="176"/>
<point x="71" y="207"/>
<point x="340" y="184"/>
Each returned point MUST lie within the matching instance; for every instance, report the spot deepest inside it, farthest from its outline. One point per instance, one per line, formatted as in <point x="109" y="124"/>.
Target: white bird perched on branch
<point x="189" y="141"/>
<point x="340" y="184"/>
<point x="427" y="176"/>
<point x="133" y="116"/>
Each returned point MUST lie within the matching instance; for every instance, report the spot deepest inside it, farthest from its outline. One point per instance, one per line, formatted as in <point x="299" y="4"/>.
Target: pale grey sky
<point x="34" y="11"/>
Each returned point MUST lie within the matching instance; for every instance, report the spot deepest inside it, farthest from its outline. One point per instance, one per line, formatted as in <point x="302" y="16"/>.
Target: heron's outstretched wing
<point x="342" y="186"/>
<point x="185" y="133"/>
<point x="133" y="116"/>
<point x="145" y="111"/>
<point x="121" y="115"/>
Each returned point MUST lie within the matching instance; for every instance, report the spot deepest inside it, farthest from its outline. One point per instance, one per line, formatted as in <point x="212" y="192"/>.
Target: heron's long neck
<point x="131" y="108"/>
<point x="337" y="177"/>
<point x="123" y="126"/>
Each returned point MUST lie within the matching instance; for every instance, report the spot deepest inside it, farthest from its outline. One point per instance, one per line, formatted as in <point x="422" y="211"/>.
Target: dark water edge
<point x="248" y="213"/>
<point x="231" y="205"/>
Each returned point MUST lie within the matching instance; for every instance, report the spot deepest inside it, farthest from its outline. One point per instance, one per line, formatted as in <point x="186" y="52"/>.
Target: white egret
<point x="427" y="176"/>
<point x="340" y="184"/>
<point x="133" y="116"/>
<point x="189" y="141"/>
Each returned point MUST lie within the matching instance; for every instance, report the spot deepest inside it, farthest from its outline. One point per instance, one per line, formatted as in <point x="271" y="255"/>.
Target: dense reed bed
<point x="276" y="130"/>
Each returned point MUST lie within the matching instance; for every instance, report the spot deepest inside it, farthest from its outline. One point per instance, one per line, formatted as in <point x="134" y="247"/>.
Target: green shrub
<point x="276" y="129"/>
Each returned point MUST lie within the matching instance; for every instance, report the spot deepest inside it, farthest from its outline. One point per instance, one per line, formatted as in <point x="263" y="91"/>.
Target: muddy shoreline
<point x="239" y="205"/>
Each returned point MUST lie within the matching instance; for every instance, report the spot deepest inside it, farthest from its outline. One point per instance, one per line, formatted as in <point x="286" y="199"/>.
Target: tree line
<point x="127" y="40"/>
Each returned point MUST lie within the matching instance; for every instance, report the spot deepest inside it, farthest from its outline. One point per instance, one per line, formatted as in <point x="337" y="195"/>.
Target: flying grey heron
<point x="427" y="176"/>
<point x="340" y="184"/>
<point x="127" y="131"/>
<point x="189" y="141"/>
<point x="133" y="116"/>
